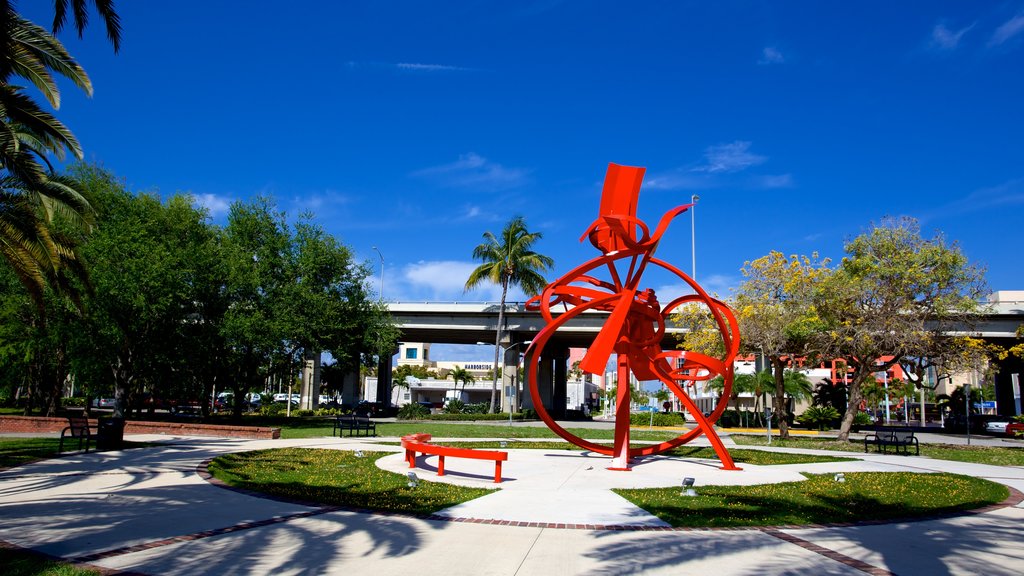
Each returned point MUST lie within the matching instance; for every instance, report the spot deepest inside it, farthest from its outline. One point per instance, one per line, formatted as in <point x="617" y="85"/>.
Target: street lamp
<point x="693" y="236"/>
<point x="381" y="273"/>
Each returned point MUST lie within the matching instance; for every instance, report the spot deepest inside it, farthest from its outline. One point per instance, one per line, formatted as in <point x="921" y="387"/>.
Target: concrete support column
<point x="384" y="380"/>
<point x="350" y="388"/>
<point x="561" y="378"/>
<point x="310" y="393"/>
<point x="510" y="378"/>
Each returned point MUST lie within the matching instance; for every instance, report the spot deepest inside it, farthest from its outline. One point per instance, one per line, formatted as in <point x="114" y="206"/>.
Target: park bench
<point x="357" y="424"/>
<point x="419" y="444"/>
<point x="78" y="429"/>
<point x="896" y="438"/>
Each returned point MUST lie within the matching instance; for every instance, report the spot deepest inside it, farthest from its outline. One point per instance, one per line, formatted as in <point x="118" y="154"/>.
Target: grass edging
<point x="863" y="498"/>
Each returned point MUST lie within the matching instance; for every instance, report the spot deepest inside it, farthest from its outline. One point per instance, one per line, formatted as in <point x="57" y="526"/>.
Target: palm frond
<point x="81" y="14"/>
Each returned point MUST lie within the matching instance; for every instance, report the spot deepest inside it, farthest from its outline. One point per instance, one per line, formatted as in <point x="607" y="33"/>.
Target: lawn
<point x="819" y="500"/>
<point x="311" y="428"/>
<point x="18" y="451"/>
<point x="335" y="477"/>
<point x="27" y="563"/>
<point x="993" y="455"/>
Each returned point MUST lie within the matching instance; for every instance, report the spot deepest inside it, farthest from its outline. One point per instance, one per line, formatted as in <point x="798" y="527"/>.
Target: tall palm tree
<point x="509" y="261"/>
<point x="29" y="193"/>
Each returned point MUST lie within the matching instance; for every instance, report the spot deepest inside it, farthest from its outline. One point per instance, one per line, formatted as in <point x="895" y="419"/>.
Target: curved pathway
<point x="149" y="511"/>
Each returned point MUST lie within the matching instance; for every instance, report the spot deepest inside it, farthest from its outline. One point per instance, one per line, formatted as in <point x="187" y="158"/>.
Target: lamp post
<point x="693" y="236"/>
<point x="381" y="272"/>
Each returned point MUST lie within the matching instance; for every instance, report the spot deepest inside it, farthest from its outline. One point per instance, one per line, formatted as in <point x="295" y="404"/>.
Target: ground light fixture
<point x="414" y="480"/>
<point x="840" y="477"/>
<point x="359" y="454"/>
<point x="688" y="487"/>
<point x="503" y="444"/>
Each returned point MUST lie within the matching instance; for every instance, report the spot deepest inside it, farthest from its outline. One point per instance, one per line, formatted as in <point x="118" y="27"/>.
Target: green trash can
<point x="110" y="433"/>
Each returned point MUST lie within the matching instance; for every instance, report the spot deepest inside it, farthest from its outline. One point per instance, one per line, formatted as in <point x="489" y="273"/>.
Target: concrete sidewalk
<point x="149" y="511"/>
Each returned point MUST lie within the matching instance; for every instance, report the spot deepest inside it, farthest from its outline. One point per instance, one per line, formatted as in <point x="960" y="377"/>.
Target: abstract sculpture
<point x="636" y="324"/>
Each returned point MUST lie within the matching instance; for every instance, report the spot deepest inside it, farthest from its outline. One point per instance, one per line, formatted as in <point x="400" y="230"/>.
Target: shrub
<point x="660" y="419"/>
<point x="455" y="406"/>
<point x="74" y="402"/>
<point x="328" y="411"/>
<point x="729" y="419"/>
<point x="478" y="408"/>
<point x="469" y="417"/>
<point x="862" y="419"/>
<point x="302" y="413"/>
<point x="818" y="416"/>
<point x="412" y="411"/>
<point x="273" y="409"/>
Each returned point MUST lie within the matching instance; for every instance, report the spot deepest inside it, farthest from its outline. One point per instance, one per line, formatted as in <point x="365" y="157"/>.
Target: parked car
<point x="280" y="397"/>
<point x="1015" y="430"/>
<point x="102" y="402"/>
<point x="995" y="425"/>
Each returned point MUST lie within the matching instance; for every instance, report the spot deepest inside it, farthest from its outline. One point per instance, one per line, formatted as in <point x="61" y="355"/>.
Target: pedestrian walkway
<point x="149" y="511"/>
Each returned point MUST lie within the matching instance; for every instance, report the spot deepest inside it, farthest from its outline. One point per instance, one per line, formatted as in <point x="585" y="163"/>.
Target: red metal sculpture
<point x="636" y="326"/>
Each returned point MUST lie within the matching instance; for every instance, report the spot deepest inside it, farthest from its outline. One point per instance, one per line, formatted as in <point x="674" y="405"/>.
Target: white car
<point x="996" y="425"/>
<point x="284" y="398"/>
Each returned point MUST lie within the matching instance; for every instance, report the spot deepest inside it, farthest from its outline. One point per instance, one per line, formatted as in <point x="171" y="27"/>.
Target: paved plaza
<point x="153" y="511"/>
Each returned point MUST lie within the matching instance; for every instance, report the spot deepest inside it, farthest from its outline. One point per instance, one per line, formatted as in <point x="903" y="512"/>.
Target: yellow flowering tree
<point x="777" y="315"/>
<point x="893" y="297"/>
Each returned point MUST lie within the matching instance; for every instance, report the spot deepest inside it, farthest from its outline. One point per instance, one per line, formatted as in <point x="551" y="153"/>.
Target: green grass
<point x="18" y="451"/>
<point x="819" y="500"/>
<point x="993" y="455"/>
<point x="311" y="428"/>
<point x="336" y="477"/>
<point x="756" y="457"/>
<point x="26" y="563"/>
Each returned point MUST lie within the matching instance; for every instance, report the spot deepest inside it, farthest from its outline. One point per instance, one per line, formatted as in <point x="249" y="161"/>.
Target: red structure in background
<point x="636" y="326"/>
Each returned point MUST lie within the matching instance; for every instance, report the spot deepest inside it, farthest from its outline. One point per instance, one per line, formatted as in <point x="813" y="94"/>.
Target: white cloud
<point x="320" y="201"/>
<point x="774" y="181"/>
<point x="771" y="55"/>
<point x="217" y="206"/>
<point x="1008" y="30"/>
<point x="945" y="39"/>
<point x="677" y="180"/>
<point x="443" y="281"/>
<point x="475" y="172"/>
<point x="731" y="157"/>
<point x="418" y="67"/>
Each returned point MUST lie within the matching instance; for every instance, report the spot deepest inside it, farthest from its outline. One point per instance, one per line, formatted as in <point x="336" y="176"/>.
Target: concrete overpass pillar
<point x="384" y="380"/>
<point x="350" y="388"/>
<point x="561" y="377"/>
<point x="551" y="380"/>
<point x="310" y="392"/>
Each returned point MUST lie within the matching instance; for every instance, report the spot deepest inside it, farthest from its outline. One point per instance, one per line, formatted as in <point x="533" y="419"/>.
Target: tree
<point x="509" y="261"/>
<point x="775" y="310"/>
<point x="144" y="267"/>
<point x="28" y="134"/>
<point x="889" y="298"/>
<point x="460" y="374"/>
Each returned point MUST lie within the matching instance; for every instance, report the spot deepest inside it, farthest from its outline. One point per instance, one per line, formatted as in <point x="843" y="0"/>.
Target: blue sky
<point x="415" y="127"/>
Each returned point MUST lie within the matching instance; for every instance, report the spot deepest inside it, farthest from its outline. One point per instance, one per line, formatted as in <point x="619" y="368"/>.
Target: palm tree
<point x="30" y="194"/>
<point x="509" y="261"/>
<point x="460" y="374"/>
